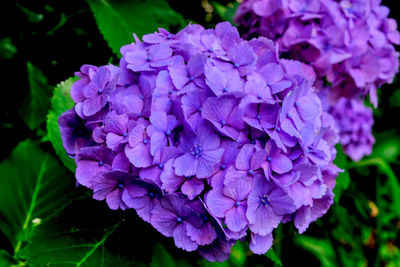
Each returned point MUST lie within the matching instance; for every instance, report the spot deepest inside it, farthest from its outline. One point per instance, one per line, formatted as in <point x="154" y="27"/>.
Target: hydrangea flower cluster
<point x="207" y="136"/>
<point x="354" y="121"/>
<point x="346" y="45"/>
<point x="347" y="42"/>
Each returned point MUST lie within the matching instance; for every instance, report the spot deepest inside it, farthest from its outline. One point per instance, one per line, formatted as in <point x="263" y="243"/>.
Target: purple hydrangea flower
<point x="201" y="153"/>
<point x="171" y="217"/>
<point x="267" y="204"/>
<point x="75" y="134"/>
<point x="229" y="202"/>
<point x="354" y="121"/>
<point x="347" y="46"/>
<point x="206" y="135"/>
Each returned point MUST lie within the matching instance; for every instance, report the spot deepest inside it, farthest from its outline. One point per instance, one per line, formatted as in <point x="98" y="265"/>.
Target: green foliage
<point x="63" y="240"/>
<point x="34" y="107"/>
<point x="7" y="49"/>
<point x="387" y="146"/>
<point x="60" y="102"/>
<point x="6" y="259"/>
<point x="226" y="13"/>
<point x="30" y="15"/>
<point x="162" y="258"/>
<point x="118" y="20"/>
<point x="271" y="254"/>
<point x="343" y="179"/>
<point x="33" y="185"/>
<point x="321" y="248"/>
<point x="394" y="100"/>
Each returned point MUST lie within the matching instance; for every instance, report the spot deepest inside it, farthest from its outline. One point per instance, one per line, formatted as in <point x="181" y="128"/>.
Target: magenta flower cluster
<point x="348" y="43"/>
<point x="209" y="137"/>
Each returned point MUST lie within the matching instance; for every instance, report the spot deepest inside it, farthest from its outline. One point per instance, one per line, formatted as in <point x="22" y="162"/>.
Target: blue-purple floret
<point x="209" y="137"/>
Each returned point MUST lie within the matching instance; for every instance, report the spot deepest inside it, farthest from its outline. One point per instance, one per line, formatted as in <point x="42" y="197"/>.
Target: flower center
<point x="222" y="167"/>
<point x="145" y="141"/>
<point x="151" y="194"/>
<point x="264" y="200"/>
<point x="120" y="185"/>
<point x="196" y="151"/>
<point x="161" y="165"/>
<point x="225" y="90"/>
<point x="179" y="220"/>
<point x="149" y="58"/>
<point x="167" y="132"/>
<point x="101" y="163"/>
<point x="100" y="91"/>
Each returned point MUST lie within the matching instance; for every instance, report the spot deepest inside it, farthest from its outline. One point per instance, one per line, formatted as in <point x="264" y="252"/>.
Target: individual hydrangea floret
<point x="209" y="137"/>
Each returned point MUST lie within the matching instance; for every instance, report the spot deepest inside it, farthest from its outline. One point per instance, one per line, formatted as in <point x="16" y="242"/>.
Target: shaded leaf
<point x="343" y="179"/>
<point x="226" y="13"/>
<point x="162" y="258"/>
<point x="7" y="49"/>
<point x="6" y="259"/>
<point x="30" y="15"/>
<point x="271" y="254"/>
<point x="387" y="146"/>
<point x="36" y="104"/>
<point x="33" y="185"/>
<point x="60" y="102"/>
<point x="386" y="169"/>
<point x="118" y="20"/>
<point x="320" y="248"/>
<point x="394" y="100"/>
<point x="88" y="233"/>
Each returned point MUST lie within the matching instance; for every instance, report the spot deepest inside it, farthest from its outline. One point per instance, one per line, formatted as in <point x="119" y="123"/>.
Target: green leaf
<point x="162" y="258"/>
<point x="385" y="168"/>
<point x="320" y="248"/>
<point x="6" y="259"/>
<point x="118" y="20"/>
<point x="394" y="100"/>
<point x="35" y="106"/>
<point x="31" y="16"/>
<point x="88" y="233"/>
<point x="33" y="185"/>
<point x="387" y="146"/>
<point x="271" y="254"/>
<point x="343" y="179"/>
<point x="60" y="102"/>
<point x="7" y="49"/>
<point x="226" y="13"/>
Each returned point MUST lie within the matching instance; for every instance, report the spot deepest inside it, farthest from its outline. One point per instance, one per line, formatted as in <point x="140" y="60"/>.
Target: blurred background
<point x="44" y="42"/>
